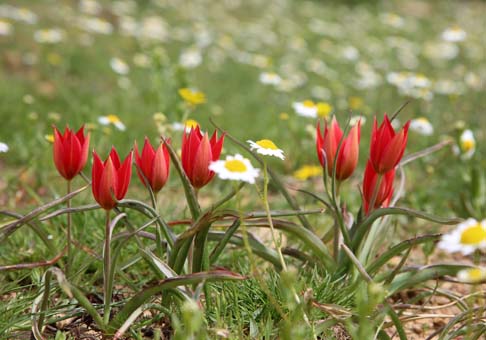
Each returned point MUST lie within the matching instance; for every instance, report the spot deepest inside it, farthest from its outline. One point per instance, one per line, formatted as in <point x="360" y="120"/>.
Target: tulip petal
<point x="107" y="185"/>
<point x="58" y="152"/>
<point x="124" y="173"/>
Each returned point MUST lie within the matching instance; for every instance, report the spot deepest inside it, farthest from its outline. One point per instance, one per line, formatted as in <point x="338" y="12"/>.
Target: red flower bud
<point x="198" y="151"/>
<point x="110" y="179"/>
<point x="70" y="151"/>
<point x="387" y="147"/>
<point x="327" y="145"/>
<point x="383" y="193"/>
<point x="153" y="165"/>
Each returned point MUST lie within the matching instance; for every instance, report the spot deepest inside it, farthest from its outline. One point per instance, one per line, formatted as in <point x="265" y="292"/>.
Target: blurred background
<point x="258" y="68"/>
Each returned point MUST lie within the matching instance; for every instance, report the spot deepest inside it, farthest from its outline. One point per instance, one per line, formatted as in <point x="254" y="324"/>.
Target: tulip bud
<point x="198" y="151"/>
<point x="327" y="145"/>
<point x="70" y="151"/>
<point x="153" y="165"/>
<point x="110" y="179"/>
<point x="387" y="146"/>
<point x="382" y="194"/>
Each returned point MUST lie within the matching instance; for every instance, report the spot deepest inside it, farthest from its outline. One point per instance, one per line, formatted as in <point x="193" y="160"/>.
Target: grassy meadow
<point x="269" y="256"/>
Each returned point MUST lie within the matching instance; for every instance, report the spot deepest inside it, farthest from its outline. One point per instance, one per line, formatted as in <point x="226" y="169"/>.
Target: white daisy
<point x="267" y="148"/>
<point x="5" y="28"/>
<point x="306" y="108"/>
<point x="186" y="126"/>
<point x="466" y="238"/>
<point x="355" y="119"/>
<point x="270" y="78"/>
<point x="236" y="168"/>
<point x="112" y="119"/>
<point x="422" y="126"/>
<point x="3" y="147"/>
<point x="454" y="34"/>
<point x="190" y="58"/>
<point x="472" y="275"/>
<point x="119" y="66"/>
<point x="467" y="144"/>
<point x="95" y="25"/>
<point x="49" y="36"/>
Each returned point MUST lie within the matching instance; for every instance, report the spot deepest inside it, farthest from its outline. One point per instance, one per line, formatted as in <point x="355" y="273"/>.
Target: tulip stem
<point x="107" y="269"/>
<point x="68" y="230"/>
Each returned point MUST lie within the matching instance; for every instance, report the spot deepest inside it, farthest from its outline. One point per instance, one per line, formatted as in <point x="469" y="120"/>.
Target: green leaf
<point x="256" y="246"/>
<point x="11" y="227"/>
<point x="72" y="291"/>
<point x="224" y="241"/>
<point x="414" y="276"/>
<point x="397" y="249"/>
<point x="311" y="240"/>
<point x="358" y="233"/>
<point x="139" y="299"/>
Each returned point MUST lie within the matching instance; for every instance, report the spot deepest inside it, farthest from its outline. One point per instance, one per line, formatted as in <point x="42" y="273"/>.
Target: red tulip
<point x="110" y="179"/>
<point x="70" y="151"/>
<point x="327" y="145"/>
<point x="198" y="151"/>
<point x="153" y="165"/>
<point x="387" y="147"/>
<point x="383" y="193"/>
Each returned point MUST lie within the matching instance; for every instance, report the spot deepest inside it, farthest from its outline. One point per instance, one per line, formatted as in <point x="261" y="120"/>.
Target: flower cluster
<point x="338" y="155"/>
<point x="111" y="178"/>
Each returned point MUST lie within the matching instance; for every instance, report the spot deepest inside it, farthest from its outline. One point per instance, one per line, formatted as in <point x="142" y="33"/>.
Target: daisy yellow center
<point x="423" y="120"/>
<point x="191" y="123"/>
<point x="468" y="144"/>
<point x="308" y="103"/>
<point x="113" y="119"/>
<point x="473" y="235"/>
<point x="475" y="274"/>
<point x="49" y="138"/>
<point x="235" y="165"/>
<point x="267" y="144"/>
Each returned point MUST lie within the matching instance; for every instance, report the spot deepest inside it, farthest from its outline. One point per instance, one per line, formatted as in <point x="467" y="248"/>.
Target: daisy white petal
<point x="3" y="147"/>
<point x="466" y="238"/>
<point x="236" y="168"/>
<point x="306" y="108"/>
<point x="422" y="126"/>
<point x="267" y="148"/>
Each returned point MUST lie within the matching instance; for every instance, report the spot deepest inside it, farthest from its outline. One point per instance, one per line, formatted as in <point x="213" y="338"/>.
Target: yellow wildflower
<point x="192" y="97"/>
